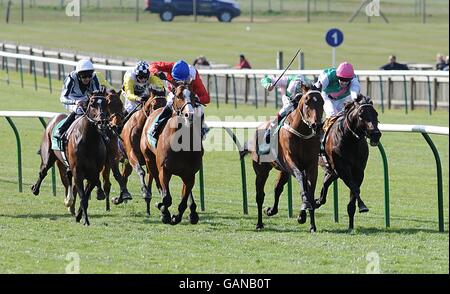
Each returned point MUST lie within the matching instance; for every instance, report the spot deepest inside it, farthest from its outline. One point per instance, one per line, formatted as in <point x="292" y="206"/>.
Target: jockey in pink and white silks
<point x="289" y="86"/>
<point x="338" y="86"/>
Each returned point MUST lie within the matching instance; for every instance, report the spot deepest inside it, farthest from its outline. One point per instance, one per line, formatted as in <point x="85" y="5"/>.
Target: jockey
<point x="137" y="84"/>
<point x="177" y="72"/>
<point x="74" y="96"/>
<point x="289" y="86"/>
<point x="339" y="86"/>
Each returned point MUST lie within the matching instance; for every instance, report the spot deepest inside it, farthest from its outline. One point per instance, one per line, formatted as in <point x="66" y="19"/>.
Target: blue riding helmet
<point x="180" y="71"/>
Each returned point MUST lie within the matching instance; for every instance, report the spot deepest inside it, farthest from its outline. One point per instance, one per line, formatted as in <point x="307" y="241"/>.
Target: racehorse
<point x="131" y="137"/>
<point x="347" y="151"/>
<point x="85" y="154"/>
<point x="178" y="152"/>
<point x="298" y="149"/>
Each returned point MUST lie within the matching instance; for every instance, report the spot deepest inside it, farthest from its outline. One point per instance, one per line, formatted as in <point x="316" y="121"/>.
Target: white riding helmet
<point x="84" y="65"/>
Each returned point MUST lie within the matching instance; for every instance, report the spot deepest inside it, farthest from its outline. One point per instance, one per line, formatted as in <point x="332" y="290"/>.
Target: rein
<point x="347" y="120"/>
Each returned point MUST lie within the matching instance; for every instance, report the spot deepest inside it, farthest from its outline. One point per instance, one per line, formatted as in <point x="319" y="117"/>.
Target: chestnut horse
<point x="131" y="137"/>
<point x="347" y="151"/>
<point x="86" y="153"/>
<point x="298" y="149"/>
<point x="178" y="152"/>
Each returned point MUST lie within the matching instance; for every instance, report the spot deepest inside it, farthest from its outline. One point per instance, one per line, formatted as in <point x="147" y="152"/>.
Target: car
<point x="224" y="10"/>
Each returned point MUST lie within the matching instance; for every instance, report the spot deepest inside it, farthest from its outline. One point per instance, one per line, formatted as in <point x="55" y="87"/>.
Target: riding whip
<point x="289" y="65"/>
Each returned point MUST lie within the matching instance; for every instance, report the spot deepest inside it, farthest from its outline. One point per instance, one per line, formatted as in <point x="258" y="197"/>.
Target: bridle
<point x="347" y="120"/>
<point x="308" y="124"/>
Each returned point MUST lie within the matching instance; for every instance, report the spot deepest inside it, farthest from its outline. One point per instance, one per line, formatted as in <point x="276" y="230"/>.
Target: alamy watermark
<point x="73" y="267"/>
<point x="373" y="8"/>
<point x="373" y="266"/>
<point x="73" y="8"/>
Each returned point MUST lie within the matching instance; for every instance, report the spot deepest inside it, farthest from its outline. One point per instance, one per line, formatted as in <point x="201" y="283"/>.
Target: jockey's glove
<point x="161" y="75"/>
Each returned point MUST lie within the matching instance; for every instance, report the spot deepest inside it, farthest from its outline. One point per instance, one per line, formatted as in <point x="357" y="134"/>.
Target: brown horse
<point x="178" y="152"/>
<point x="347" y="151"/>
<point x="85" y="154"/>
<point x="131" y="137"/>
<point x="298" y="149"/>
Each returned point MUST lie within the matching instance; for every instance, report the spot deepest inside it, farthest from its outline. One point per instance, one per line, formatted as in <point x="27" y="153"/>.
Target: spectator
<point x="393" y="65"/>
<point x="440" y="62"/>
<point x="201" y="60"/>
<point x="243" y="63"/>
<point x="446" y="64"/>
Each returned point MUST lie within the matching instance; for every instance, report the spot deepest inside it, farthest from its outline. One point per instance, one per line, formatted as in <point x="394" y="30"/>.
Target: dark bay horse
<point x="131" y="139"/>
<point x="86" y="154"/>
<point x="347" y="151"/>
<point x="178" y="152"/>
<point x="298" y="150"/>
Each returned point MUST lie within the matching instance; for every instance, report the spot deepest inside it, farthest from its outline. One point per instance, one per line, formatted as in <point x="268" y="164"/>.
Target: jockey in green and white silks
<point x="74" y="96"/>
<point x="289" y="86"/>
<point x="338" y="86"/>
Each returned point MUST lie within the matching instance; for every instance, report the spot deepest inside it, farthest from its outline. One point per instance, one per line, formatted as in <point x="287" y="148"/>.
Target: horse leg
<point x="148" y="196"/>
<point x="78" y="179"/>
<point x="327" y="180"/>
<point x="281" y="181"/>
<point x="106" y="187"/>
<point x="188" y="184"/>
<point x="64" y="179"/>
<point x="124" y="194"/>
<point x="193" y="216"/>
<point x="262" y="173"/>
<point x="311" y="181"/>
<point x="351" y="208"/>
<point x="347" y="177"/>
<point x="48" y="158"/>
<point x="164" y="178"/>
<point x="152" y="172"/>
<point x="300" y="176"/>
<point x="358" y="176"/>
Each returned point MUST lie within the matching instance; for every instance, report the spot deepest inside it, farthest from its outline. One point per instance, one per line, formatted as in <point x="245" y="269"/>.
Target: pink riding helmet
<point x="345" y="70"/>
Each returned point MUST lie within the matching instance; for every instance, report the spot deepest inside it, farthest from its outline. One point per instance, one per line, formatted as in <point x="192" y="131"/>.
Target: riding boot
<point x="65" y="126"/>
<point x="167" y="111"/>
<point x="273" y="124"/>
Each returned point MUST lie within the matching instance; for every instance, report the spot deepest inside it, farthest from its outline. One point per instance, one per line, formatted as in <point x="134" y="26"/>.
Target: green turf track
<point x="37" y="233"/>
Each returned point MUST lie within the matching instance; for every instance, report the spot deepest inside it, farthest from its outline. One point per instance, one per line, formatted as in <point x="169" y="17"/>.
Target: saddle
<point x="154" y="140"/>
<point x="262" y="147"/>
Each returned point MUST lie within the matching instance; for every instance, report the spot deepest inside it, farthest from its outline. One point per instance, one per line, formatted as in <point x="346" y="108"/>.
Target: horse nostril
<point x="186" y="115"/>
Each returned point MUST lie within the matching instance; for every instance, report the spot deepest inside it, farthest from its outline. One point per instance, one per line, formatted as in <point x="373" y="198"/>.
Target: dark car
<point x="224" y="10"/>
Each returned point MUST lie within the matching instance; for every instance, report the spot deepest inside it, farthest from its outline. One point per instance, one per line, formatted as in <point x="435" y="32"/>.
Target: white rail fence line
<point x="387" y="88"/>
<point x="228" y="126"/>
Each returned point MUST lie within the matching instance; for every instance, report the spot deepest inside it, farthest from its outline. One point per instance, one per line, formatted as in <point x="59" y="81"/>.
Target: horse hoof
<point x="166" y="219"/>
<point x="117" y="200"/>
<point x="318" y="203"/>
<point x="101" y="195"/>
<point x="313" y="230"/>
<point x="302" y="217"/>
<point x="34" y="190"/>
<point x="159" y="205"/>
<point x="259" y="226"/>
<point x="363" y="209"/>
<point x="270" y="211"/>
<point x="176" y="219"/>
<point x="193" y="218"/>
<point x="126" y="196"/>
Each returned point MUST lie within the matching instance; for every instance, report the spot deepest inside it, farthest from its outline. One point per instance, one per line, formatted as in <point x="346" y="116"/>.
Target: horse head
<point x="98" y="111"/>
<point x="182" y="103"/>
<point x="311" y="107"/>
<point x="115" y="107"/>
<point x="156" y="100"/>
<point x="362" y="112"/>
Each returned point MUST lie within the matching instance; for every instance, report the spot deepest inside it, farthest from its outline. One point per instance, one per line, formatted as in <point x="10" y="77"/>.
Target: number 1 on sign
<point x="335" y="38"/>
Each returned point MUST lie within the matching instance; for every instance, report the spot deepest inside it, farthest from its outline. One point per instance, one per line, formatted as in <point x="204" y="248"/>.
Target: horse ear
<point x="359" y="98"/>
<point x="305" y="89"/>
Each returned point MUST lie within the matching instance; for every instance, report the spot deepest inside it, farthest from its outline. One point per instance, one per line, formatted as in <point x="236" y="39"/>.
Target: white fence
<point x="407" y="89"/>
